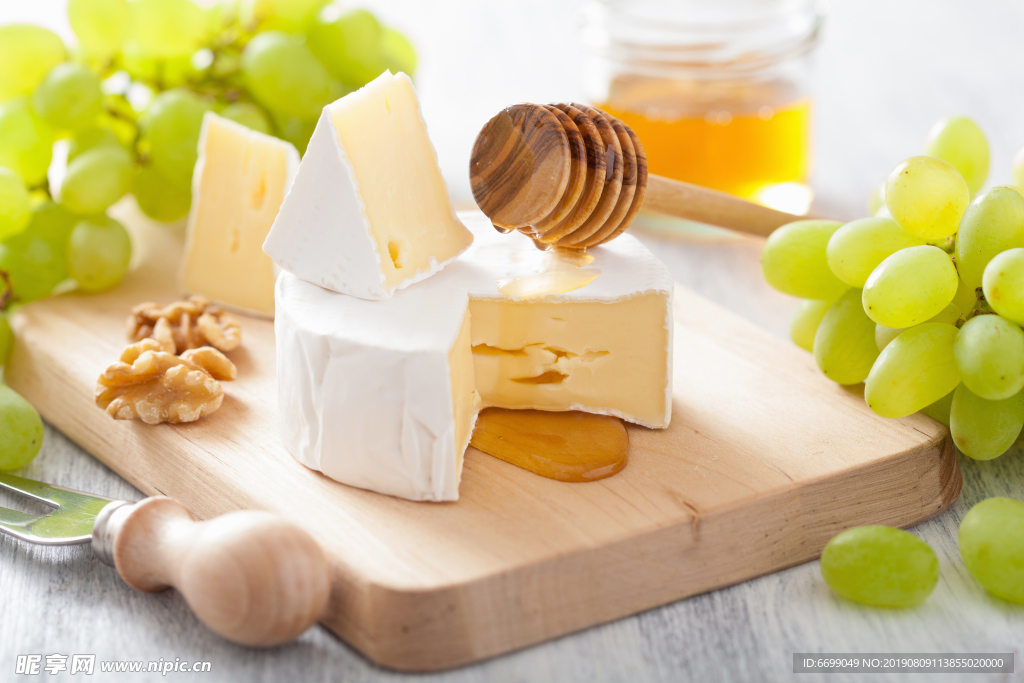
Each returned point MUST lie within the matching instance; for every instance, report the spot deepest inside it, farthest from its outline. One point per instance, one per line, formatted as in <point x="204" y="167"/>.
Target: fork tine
<point x="70" y="522"/>
<point x="9" y="517"/>
<point x="28" y="487"/>
<point x="54" y="496"/>
<point x="18" y="524"/>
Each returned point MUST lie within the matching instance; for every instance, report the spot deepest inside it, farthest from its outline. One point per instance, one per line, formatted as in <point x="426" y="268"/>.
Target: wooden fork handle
<point x="252" y="577"/>
<point x="695" y="203"/>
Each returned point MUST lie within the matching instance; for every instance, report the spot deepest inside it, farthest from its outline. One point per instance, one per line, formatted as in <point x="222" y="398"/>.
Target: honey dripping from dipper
<point x="566" y="175"/>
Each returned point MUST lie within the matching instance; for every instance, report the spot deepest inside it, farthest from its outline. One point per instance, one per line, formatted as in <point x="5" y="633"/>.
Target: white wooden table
<point x="887" y="71"/>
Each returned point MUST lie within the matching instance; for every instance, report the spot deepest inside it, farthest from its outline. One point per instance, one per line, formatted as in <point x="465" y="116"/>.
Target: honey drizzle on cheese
<point x="568" y="446"/>
<point x="560" y="270"/>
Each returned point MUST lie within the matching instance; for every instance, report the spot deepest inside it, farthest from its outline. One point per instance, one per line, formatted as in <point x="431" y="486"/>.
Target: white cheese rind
<point x="322" y="234"/>
<point x="364" y="387"/>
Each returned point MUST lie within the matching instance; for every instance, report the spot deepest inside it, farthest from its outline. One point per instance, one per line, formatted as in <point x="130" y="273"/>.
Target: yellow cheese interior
<point x="465" y="400"/>
<point x="598" y="356"/>
<point x="401" y="186"/>
<point x="243" y="182"/>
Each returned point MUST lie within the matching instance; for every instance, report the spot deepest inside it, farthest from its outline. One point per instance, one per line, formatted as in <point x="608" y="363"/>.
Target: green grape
<point x="805" y="322"/>
<point x="339" y="90"/>
<point x="21" y="430"/>
<point x="949" y="315"/>
<point x="248" y="115"/>
<point x="927" y="197"/>
<point x="398" y="52"/>
<point x="296" y="131"/>
<point x="14" y="203"/>
<point x="965" y="297"/>
<point x="97" y="136"/>
<point x="910" y="286"/>
<point x="171" y="125"/>
<point x="915" y="370"/>
<point x="1003" y="284"/>
<point x="990" y="357"/>
<point x="884" y="335"/>
<point x="939" y="411"/>
<point x="284" y="76"/>
<point x="99" y="253"/>
<point x="1018" y="170"/>
<point x="876" y="200"/>
<point x="69" y="98"/>
<point x="37" y="257"/>
<point x="100" y="25"/>
<point x="157" y="72"/>
<point x="161" y="198"/>
<point x="993" y="223"/>
<point x="351" y="47"/>
<point x="959" y="141"/>
<point x="165" y="29"/>
<point x="844" y="344"/>
<point x="26" y="142"/>
<point x="880" y="565"/>
<point x="6" y="339"/>
<point x="51" y="223"/>
<point x="286" y="15"/>
<point x="121" y="119"/>
<point x="27" y="53"/>
<point x="984" y="429"/>
<point x="18" y="276"/>
<point x="794" y="260"/>
<point x="222" y="14"/>
<point x="857" y="248"/>
<point x="991" y="542"/>
<point x="26" y="282"/>
<point x="96" y="179"/>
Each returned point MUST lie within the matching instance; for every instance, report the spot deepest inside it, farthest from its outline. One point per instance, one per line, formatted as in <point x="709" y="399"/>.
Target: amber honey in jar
<point x="717" y="90"/>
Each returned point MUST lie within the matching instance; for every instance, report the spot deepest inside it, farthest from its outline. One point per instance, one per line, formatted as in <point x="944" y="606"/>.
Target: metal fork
<point x="251" y="576"/>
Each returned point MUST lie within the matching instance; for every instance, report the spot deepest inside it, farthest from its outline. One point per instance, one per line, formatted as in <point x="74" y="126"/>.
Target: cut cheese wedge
<point x="383" y="395"/>
<point x="369" y="212"/>
<point x="378" y="395"/>
<point x="240" y="180"/>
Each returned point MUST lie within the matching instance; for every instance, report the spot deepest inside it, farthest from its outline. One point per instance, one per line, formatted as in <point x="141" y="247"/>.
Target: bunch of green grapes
<point x="924" y="301"/>
<point x="128" y="102"/>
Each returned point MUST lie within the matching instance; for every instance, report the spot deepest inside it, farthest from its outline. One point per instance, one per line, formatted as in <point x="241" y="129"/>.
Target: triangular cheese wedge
<point x="240" y="180"/>
<point x="369" y="212"/>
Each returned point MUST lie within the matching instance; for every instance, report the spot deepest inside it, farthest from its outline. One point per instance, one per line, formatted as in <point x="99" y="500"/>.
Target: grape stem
<point x="44" y="186"/>
<point x="982" y="307"/>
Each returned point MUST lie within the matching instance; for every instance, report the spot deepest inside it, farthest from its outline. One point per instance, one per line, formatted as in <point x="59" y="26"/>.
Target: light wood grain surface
<point x="764" y="461"/>
<point x="888" y="70"/>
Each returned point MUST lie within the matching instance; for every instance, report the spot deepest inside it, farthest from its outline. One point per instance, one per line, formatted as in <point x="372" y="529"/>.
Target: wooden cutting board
<point x="764" y="462"/>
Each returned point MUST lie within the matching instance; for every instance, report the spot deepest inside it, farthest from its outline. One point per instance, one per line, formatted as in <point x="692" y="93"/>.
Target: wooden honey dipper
<point x="569" y="175"/>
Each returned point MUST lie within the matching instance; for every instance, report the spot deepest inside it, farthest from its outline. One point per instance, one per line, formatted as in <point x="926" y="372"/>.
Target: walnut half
<point x="185" y="325"/>
<point x="155" y="386"/>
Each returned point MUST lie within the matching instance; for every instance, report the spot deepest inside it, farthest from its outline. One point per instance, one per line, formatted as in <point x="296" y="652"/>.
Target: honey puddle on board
<point x="567" y="446"/>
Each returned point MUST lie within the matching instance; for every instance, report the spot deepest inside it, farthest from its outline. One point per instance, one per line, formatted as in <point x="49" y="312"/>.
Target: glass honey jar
<point x="717" y="90"/>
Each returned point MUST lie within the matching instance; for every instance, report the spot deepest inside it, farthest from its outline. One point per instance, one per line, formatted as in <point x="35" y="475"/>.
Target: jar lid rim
<point x="692" y="46"/>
